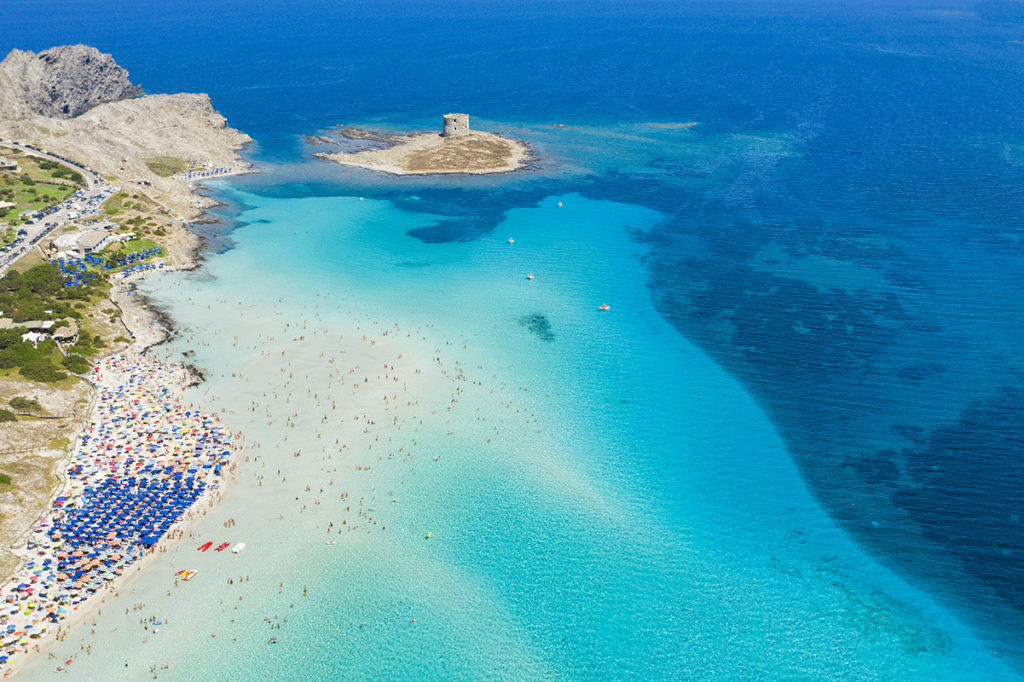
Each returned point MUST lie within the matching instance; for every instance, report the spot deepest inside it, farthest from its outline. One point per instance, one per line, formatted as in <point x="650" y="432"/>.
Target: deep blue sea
<point x="833" y="254"/>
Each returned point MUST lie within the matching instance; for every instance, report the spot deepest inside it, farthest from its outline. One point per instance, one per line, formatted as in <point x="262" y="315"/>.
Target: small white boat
<point x="238" y="548"/>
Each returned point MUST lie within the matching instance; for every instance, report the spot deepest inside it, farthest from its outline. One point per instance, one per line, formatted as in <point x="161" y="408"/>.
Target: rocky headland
<point x="78" y="102"/>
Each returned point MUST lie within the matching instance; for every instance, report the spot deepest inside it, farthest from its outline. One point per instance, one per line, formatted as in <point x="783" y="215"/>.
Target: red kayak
<point x="204" y="547"/>
<point x="220" y="548"/>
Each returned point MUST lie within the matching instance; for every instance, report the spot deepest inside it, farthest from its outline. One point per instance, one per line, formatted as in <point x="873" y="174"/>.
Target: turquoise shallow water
<point x="602" y="500"/>
<point x="841" y="233"/>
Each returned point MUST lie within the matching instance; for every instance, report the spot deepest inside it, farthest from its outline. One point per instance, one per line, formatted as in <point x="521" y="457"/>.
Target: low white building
<point x="35" y="330"/>
<point x="32" y="337"/>
<point x="93" y="241"/>
<point x="77" y="244"/>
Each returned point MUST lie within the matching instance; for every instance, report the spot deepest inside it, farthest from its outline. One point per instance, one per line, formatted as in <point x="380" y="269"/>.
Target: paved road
<point x="96" y="188"/>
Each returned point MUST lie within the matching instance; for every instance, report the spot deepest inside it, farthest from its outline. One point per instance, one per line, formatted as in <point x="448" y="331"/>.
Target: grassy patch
<point x="38" y="185"/>
<point x="28" y="261"/>
<point x="131" y="246"/>
<point x="114" y="204"/>
<point x="59" y="171"/>
<point x="165" y="166"/>
<point x="60" y="443"/>
<point x="5" y="479"/>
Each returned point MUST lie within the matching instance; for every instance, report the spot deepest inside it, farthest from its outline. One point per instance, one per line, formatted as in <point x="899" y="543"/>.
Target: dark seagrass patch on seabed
<point x="539" y="325"/>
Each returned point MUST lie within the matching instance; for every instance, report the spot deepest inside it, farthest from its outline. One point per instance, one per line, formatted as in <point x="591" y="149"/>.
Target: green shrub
<point x="19" y="402"/>
<point x="5" y="479"/>
<point x="9" y="337"/>
<point x="7" y="416"/>
<point x="82" y="347"/>
<point x="21" y="353"/>
<point x="42" y="370"/>
<point x="76" y="364"/>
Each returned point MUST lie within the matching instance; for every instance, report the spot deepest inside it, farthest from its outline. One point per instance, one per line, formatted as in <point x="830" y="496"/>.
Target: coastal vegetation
<point x="23" y="404"/>
<point x="34" y="362"/>
<point x="165" y="166"/>
<point x="116" y="203"/>
<point x="38" y="184"/>
<point x="35" y="290"/>
<point x="58" y="170"/>
<point x="39" y="294"/>
<point x="139" y="214"/>
<point x="76" y="364"/>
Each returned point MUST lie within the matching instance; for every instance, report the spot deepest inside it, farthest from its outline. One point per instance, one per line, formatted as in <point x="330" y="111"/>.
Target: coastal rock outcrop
<point x="77" y="102"/>
<point x="61" y="82"/>
<point x="457" y="149"/>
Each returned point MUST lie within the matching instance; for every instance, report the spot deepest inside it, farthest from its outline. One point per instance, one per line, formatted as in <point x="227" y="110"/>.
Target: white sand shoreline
<point x="147" y="331"/>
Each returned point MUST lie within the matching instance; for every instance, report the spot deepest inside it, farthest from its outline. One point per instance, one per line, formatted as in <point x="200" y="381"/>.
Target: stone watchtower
<point x="455" y="124"/>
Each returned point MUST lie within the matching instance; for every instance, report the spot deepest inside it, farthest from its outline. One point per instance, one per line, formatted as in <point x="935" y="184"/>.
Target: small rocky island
<point x="457" y="149"/>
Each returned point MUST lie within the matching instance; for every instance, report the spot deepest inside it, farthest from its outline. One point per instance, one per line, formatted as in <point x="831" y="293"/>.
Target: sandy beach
<point x="139" y="437"/>
<point x="143" y="463"/>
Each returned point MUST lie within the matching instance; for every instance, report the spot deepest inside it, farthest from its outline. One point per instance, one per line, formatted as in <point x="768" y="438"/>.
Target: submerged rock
<point x="194" y="375"/>
<point x="539" y="325"/>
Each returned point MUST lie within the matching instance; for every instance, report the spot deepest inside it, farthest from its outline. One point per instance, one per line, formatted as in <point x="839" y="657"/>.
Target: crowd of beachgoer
<point x="141" y="464"/>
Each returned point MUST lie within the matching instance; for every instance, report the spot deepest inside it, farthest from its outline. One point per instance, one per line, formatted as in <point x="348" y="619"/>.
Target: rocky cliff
<point x="77" y="102"/>
<point x="61" y="82"/>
